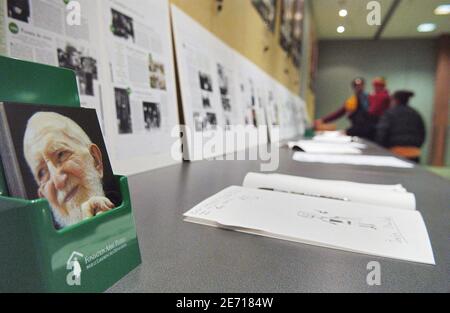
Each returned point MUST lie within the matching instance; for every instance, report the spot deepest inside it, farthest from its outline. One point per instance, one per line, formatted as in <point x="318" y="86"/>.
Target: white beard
<point x="94" y="187"/>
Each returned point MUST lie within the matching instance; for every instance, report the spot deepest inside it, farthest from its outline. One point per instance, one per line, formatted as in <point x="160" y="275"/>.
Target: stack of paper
<point x="310" y="146"/>
<point x="372" y="230"/>
<point x="351" y="226"/>
<point x="334" y="137"/>
<point x="395" y="196"/>
<point x="369" y="160"/>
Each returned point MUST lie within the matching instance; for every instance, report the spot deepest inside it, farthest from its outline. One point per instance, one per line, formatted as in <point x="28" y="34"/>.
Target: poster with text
<point x="226" y="95"/>
<point x="142" y="113"/>
<point x="219" y="93"/>
<point x="38" y="31"/>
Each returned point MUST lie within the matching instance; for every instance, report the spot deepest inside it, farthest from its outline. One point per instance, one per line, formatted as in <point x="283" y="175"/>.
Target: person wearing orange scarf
<point x="363" y="111"/>
<point x="356" y="109"/>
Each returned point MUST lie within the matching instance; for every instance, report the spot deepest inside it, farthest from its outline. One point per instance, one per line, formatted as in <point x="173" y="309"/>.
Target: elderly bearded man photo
<point x="67" y="167"/>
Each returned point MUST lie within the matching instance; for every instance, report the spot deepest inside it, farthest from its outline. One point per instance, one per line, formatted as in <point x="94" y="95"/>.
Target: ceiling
<point x="403" y="24"/>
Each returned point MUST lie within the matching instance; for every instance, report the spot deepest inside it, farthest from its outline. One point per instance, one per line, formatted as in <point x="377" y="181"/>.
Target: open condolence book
<point x="376" y="220"/>
<point x="59" y="154"/>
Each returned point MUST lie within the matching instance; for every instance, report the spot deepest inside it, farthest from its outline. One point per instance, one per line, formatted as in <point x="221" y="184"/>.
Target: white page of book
<point x="394" y="196"/>
<point x="317" y="147"/>
<point x="368" y="160"/>
<point x="354" y="227"/>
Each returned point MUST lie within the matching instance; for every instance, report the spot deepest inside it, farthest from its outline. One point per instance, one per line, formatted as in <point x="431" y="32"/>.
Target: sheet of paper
<point x="122" y="56"/>
<point x="225" y="95"/>
<point x="355" y="227"/>
<point x="318" y="147"/>
<point x="37" y="31"/>
<point x="394" y="196"/>
<point x="142" y="110"/>
<point x="368" y="160"/>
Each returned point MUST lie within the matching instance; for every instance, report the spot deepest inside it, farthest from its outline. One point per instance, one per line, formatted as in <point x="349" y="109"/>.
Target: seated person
<point x="356" y="109"/>
<point x="402" y="129"/>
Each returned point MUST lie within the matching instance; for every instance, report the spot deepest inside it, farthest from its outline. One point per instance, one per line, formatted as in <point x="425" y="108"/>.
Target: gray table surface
<point x="182" y="257"/>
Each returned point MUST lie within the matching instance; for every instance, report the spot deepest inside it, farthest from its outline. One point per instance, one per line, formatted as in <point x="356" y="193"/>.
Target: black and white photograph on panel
<point x="123" y="110"/>
<point x="206" y="100"/>
<point x="224" y="86"/>
<point x="152" y="116"/>
<point x="122" y="25"/>
<point x="198" y="122"/>
<point x="267" y="9"/>
<point x="157" y="73"/>
<point x="205" y="121"/>
<point x="205" y="82"/>
<point x="249" y="98"/>
<point x="85" y="67"/>
<point x="211" y="121"/>
<point x="297" y="32"/>
<point x="19" y="10"/>
<point x="286" y="25"/>
<point x="247" y="105"/>
<point x="228" y="123"/>
<point x="206" y="89"/>
<point x="275" y="110"/>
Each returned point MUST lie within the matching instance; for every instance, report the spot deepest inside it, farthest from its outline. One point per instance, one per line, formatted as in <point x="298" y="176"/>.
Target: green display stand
<point x="309" y="133"/>
<point x="35" y="257"/>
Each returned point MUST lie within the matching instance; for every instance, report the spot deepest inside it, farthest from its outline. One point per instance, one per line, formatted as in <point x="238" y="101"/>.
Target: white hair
<point x="43" y="123"/>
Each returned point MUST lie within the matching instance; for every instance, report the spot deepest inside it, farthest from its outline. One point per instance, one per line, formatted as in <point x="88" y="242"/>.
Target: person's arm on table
<point x="332" y="117"/>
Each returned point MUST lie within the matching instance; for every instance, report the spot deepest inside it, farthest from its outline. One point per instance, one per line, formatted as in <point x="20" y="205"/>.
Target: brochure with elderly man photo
<point x="59" y="154"/>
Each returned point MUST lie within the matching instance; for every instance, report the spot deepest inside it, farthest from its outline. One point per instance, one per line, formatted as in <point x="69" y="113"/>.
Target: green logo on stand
<point x="13" y="28"/>
<point x="74" y="268"/>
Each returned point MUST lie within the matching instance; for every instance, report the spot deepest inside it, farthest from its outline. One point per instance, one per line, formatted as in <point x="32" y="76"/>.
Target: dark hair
<point x="358" y="81"/>
<point x="403" y="96"/>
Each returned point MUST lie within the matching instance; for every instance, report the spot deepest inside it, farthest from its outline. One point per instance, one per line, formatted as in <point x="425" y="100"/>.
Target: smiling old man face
<point x="67" y="167"/>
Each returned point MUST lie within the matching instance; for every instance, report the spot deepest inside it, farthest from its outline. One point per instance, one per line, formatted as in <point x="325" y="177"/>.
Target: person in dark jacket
<point x="401" y="129"/>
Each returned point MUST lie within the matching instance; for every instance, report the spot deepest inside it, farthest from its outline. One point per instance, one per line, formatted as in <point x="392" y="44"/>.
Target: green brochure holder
<point x="309" y="133"/>
<point x="35" y="257"/>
